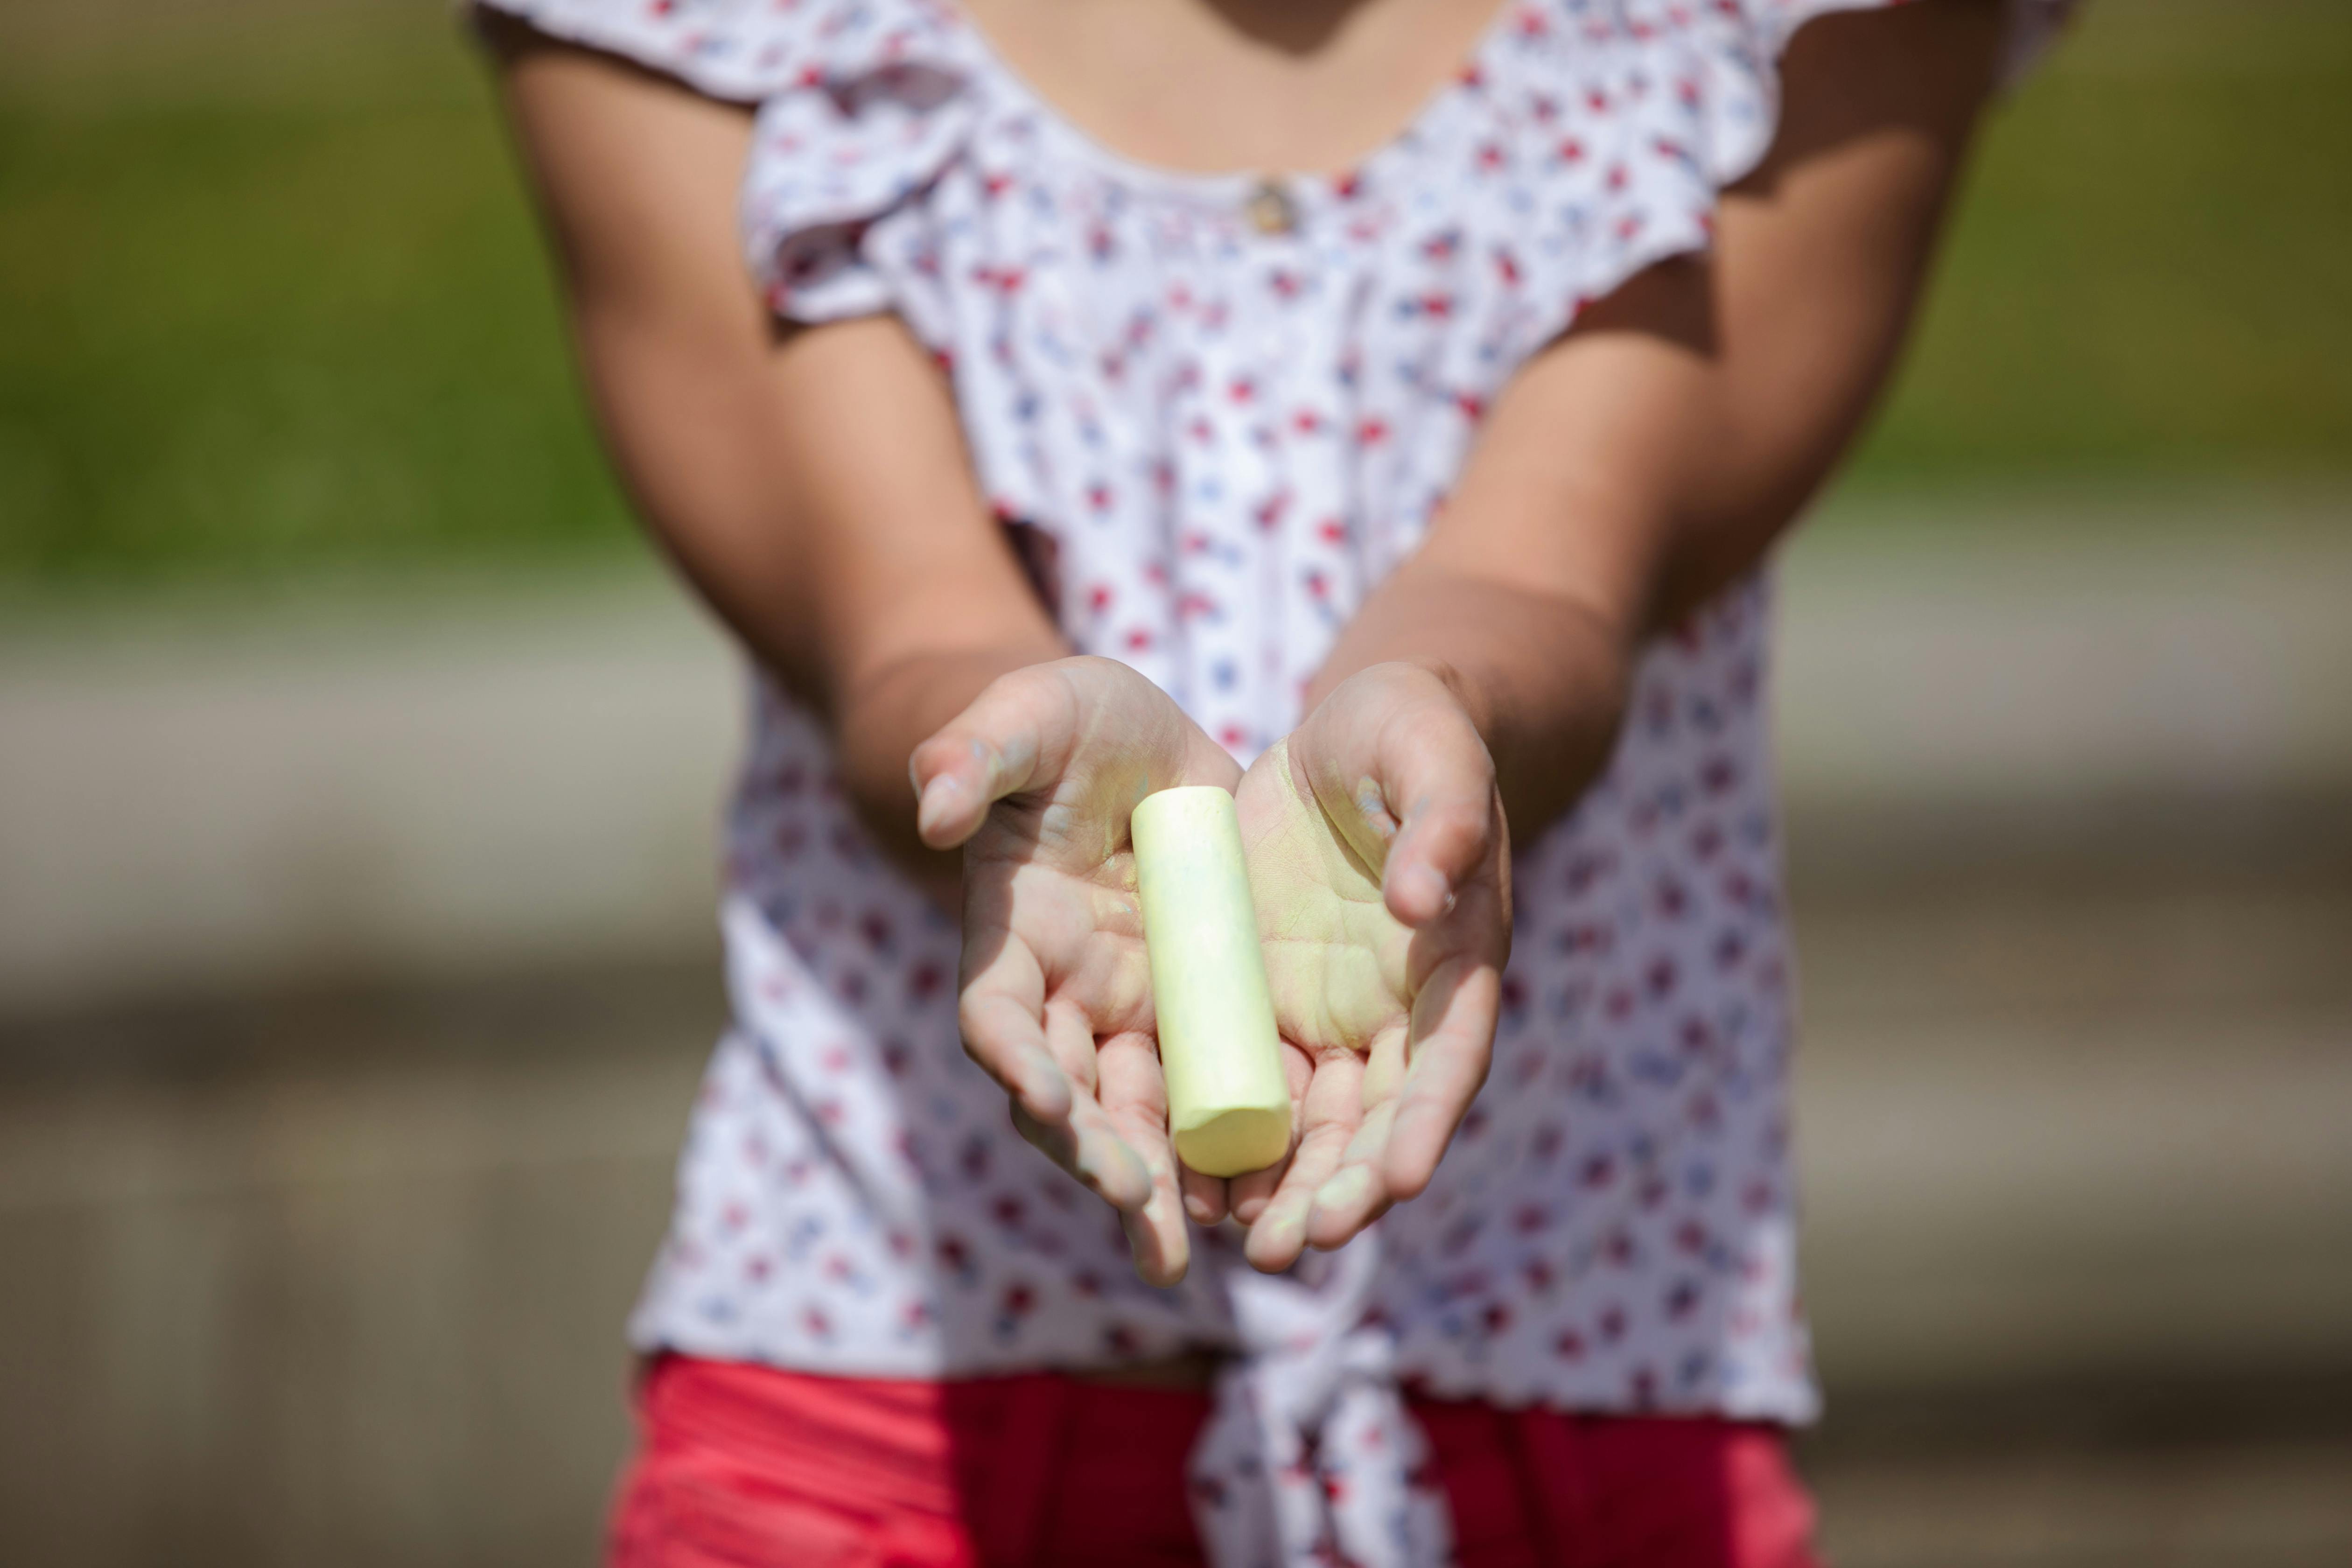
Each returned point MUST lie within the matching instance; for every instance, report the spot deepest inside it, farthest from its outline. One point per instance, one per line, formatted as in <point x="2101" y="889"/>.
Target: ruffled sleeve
<point x="740" y="51"/>
<point x="1610" y="131"/>
<point x="1738" y="45"/>
<point x="858" y="144"/>
<point x="861" y="104"/>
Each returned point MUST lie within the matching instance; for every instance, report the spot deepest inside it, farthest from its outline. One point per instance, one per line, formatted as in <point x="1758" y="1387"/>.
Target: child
<point x="1432" y="483"/>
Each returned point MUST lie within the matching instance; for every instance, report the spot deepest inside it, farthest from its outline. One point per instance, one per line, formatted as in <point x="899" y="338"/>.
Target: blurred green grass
<point x="2151" y="271"/>
<point x="286" y="309"/>
<point x="271" y="300"/>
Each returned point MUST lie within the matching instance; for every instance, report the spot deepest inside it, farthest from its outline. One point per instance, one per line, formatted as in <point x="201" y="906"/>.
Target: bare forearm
<point x="1650" y="458"/>
<point x="836" y="534"/>
<point x="811" y="484"/>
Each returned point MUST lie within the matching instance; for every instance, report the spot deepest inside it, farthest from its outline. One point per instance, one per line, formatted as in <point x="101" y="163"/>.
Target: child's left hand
<point x="1381" y="864"/>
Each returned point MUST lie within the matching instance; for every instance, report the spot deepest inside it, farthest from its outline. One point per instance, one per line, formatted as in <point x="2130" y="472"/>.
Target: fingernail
<point x="1348" y="1190"/>
<point x="1200" y="1209"/>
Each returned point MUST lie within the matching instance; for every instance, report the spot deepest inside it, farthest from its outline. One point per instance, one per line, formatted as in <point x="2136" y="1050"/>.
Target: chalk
<point x="1228" y="1101"/>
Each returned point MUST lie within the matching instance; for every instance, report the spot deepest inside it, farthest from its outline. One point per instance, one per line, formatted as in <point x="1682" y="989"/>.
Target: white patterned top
<point x="1218" y="411"/>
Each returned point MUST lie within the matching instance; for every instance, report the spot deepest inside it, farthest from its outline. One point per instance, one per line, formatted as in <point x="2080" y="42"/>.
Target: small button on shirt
<point x="1270" y="209"/>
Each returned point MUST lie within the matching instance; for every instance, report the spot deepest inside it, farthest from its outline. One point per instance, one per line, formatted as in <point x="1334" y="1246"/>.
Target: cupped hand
<point x="1036" y="780"/>
<point x="1381" y="864"/>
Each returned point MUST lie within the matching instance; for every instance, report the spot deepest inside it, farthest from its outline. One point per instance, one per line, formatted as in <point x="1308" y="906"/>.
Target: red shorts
<point x="748" y="1466"/>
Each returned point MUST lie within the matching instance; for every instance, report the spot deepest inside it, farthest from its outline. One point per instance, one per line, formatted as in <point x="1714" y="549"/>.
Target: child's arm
<point x="811" y="484"/>
<point x="815" y="486"/>
<point x="1627" y="474"/>
<point x="1657" y="452"/>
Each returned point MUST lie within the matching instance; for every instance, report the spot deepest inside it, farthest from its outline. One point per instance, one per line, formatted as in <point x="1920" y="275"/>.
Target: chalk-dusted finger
<point x="1250" y="1192"/>
<point x="1331" y="1115"/>
<point x="1157" y="1238"/>
<point x="1000" y="1012"/>
<point x="1207" y="1199"/>
<point x="1091" y="1151"/>
<point x="1135" y="1097"/>
<point x="1454" y="1022"/>
<point x="1357" y="1192"/>
<point x="1070" y="1041"/>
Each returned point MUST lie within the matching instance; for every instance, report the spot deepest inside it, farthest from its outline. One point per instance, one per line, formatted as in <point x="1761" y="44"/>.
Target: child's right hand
<point x="1036" y="780"/>
<point x="1379" y="859"/>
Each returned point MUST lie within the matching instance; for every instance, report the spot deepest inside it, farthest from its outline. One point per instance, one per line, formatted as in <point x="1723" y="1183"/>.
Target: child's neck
<point x="1256" y="85"/>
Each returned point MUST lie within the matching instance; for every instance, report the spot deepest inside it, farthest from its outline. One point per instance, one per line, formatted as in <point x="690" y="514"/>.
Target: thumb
<point x="1419" y="775"/>
<point x="1090" y="720"/>
<point x="1018" y="732"/>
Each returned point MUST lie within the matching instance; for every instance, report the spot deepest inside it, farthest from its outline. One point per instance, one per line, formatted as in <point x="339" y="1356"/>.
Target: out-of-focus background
<point x="358" y="771"/>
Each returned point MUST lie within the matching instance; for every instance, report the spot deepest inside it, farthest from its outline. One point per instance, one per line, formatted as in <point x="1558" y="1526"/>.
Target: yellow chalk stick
<point x="1228" y="1103"/>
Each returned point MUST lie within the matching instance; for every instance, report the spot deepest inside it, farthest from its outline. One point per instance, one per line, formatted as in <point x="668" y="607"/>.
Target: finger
<point x="1395" y="761"/>
<point x="1356" y="1192"/>
<point x="1252" y="1192"/>
<point x="1018" y="730"/>
<point x="1332" y="1115"/>
<point x="1070" y="1041"/>
<point x="1097" y="1157"/>
<point x="1439" y="780"/>
<point x="1134" y="1100"/>
<point x="1135" y="1097"/>
<point x="1419" y="1083"/>
<point x="1385" y="1062"/>
<point x="1207" y="1199"/>
<point x="1453" y="1023"/>
<point x="1000" y="1014"/>
<point x="1157" y="1238"/>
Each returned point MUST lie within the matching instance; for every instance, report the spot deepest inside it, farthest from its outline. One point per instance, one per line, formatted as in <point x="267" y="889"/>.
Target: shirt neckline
<point x="1226" y="187"/>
